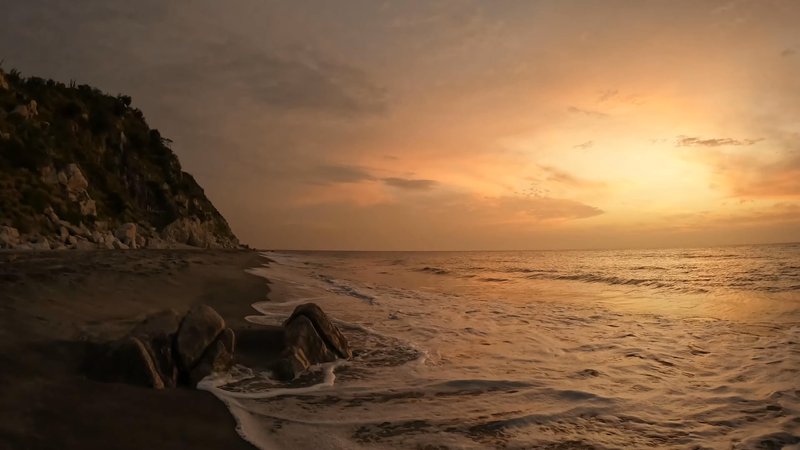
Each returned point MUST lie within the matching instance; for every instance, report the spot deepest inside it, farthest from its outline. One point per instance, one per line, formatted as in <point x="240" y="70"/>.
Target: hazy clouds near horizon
<point x="455" y="124"/>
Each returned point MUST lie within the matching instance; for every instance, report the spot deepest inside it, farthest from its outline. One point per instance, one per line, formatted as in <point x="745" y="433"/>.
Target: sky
<point x="456" y="124"/>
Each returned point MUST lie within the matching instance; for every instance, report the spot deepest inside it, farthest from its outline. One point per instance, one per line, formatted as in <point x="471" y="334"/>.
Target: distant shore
<point x="54" y="302"/>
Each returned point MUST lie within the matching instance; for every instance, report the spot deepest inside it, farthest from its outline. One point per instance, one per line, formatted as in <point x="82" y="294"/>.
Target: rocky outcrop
<point x="166" y="349"/>
<point x="192" y="231"/>
<point x="127" y="361"/>
<point x="310" y="338"/>
<point x="73" y="155"/>
<point x="330" y="334"/>
<point x="218" y="357"/>
<point x="73" y="180"/>
<point x="199" y="328"/>
<point x="157" y="332"/>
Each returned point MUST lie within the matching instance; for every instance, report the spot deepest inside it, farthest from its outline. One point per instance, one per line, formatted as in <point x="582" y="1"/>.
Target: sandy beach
<point x="53" y="303"/>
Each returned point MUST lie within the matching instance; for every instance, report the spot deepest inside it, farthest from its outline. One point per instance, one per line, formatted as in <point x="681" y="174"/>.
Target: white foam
<point x="214" y="385"/>
<point x="247" y="425"/>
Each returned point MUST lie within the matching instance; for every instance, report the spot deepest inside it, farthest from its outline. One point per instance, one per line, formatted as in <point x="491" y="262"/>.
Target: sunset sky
<point x="455" y="124"/>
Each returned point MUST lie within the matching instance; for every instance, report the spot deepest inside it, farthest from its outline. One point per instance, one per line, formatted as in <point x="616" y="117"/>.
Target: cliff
<point x="82" y="169"/>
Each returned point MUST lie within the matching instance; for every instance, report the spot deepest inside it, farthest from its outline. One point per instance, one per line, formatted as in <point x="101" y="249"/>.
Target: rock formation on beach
<point x="166" y="350"/>
<point x="81" y="169"/>
<point x="310" y="338"/>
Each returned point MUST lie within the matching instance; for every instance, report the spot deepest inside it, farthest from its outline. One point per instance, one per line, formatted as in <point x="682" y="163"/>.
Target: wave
<point x="343" y="288"/>
<point x="621" y="281"/>
<point x="434" y="270"/>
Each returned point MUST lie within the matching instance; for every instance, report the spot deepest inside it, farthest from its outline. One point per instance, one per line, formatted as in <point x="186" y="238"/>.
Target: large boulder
<point x="311" y="338"/>
<point x="127" y="361"/>
<point x="157" y="332"/>
<point x="304" y="348"/>
<point x="198" y="329"/>
<point x="166" y="349"/>
<point x="218" y="357"/>
<point x="329" y="333"/>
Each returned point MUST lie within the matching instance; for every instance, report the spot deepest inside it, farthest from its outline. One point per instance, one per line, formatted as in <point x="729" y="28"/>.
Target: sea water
<point x="679" y="348"/>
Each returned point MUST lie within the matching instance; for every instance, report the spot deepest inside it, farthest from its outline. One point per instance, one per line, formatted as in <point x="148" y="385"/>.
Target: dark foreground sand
<point x="52" y="303"/>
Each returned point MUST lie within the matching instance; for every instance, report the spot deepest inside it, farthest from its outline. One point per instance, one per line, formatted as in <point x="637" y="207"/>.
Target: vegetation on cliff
<point x="73" y="158"/>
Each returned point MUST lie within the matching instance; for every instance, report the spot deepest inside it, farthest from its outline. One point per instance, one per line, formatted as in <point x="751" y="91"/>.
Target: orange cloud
<point x="748" y="176"/>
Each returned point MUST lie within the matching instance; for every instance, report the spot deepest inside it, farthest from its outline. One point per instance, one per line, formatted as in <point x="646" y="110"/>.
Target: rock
<point x="72" y="241"/>
<point x="50" y="214"/>
<point x="140" y="241"/>
<point x="116" y="244"/>
<point x="9" y="237"/>
<point x="5" y="136"/>
<point x="73" y="180"/>
<point x="199" y="328"/>
<point x="88" y="207"/>
<point x="329" y="333"/>
<point x="3" y="81"/>
<point x="126" y="233"/>
<point x="42" y="244"/>
<point x="304" y="348"/>
<point x="83" y="244"/>
<point x="97" y="237"/>
<point x="63" y="234"/>
<point x="48" y="175"/>
<point x="218" y="357"/>
<point x="157" y="332"/>
<point x="27" y="111"/>
<point x="192" y="231"/>
<point x="154" y="242"/>
<point x="127" y="361"/>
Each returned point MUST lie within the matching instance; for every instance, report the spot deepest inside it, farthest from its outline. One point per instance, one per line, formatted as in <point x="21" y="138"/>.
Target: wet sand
<point x="52" y="303"/>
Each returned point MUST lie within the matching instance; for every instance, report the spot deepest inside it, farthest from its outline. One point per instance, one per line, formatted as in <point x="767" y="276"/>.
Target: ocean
<point x="677" y="349"/>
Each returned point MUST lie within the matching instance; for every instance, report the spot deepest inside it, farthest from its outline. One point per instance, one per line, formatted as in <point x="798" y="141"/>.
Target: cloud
<point x="759" y="175"/>
<point x="411" y="183"/>
<point x="584" y="146"/>
<point x="748" y="177"/>
<point x="283" y="82"/>
<point x="542" y="208"/>
<point x="608" y="94"/>
<point x="586" y="112"/>
<point x="687" y="141"/>
<point x="557" y="175"/>
<point x="187" y="64"/>
<point x="777" y="213"/>
<point x="330" y="174"/>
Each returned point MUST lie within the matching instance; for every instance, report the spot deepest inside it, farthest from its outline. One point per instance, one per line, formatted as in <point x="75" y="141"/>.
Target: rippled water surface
<point x="684" y="348"/>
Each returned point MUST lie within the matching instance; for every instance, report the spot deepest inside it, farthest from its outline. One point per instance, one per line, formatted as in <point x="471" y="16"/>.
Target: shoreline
<point x="53" y="303"/>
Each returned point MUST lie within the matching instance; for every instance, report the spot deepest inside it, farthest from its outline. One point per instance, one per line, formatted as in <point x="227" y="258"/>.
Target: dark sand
<point x="52" y="303"/>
